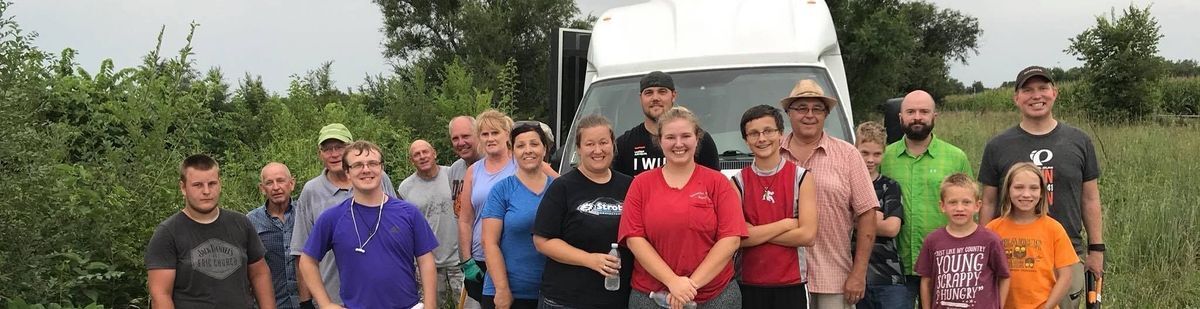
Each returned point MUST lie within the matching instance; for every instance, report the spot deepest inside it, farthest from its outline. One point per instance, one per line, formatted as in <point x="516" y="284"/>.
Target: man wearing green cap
<point x="326" y="190"/>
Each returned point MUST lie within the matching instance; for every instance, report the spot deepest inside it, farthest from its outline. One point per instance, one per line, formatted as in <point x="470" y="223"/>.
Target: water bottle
<point x="612" y="283"/>
<point x="660" y="298"/>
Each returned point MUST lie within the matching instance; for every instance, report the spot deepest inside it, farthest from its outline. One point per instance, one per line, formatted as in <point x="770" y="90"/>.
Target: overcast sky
<point x="277" y="39"/>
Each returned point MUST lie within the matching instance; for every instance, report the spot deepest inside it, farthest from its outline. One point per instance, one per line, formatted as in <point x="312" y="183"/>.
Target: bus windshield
<point x="717" y="97"/>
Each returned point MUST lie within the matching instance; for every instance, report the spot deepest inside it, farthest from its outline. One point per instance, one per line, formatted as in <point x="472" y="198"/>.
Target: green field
<point x="1148" y="187"/>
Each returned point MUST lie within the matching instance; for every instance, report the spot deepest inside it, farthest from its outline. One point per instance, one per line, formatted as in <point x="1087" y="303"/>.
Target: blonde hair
<point x="959" y="180"/>
<point x="680" y="112"/>
<point x="871" y="132"/>
<point x="1043" y="205"/>
<point x="495" y="119"/>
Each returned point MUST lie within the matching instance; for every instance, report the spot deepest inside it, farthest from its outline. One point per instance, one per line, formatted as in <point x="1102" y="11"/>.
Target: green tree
<point x="978" y="87"/>
<point x="485" y="36"/>
<point x="1123" y="69"/>
<point x="891" y="47"/>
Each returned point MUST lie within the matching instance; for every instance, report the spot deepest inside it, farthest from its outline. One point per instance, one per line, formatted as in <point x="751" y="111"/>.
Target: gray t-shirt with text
<point x="209" y="260"/>
<point x="1067" y="160"/>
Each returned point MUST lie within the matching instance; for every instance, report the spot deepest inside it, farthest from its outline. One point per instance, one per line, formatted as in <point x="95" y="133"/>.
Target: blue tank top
<point x="482" y="183"/>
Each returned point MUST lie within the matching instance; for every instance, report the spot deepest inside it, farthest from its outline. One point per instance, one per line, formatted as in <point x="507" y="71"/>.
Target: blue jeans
<point x="886" y="296"/>
<point x="913" y="283"/>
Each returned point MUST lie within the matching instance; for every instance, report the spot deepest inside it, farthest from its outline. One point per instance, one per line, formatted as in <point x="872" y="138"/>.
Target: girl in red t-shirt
<point x="683" y="223"/>
<point x="1039" y="252"/>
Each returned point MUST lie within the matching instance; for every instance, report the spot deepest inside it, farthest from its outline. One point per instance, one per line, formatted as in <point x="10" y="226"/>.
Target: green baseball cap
<point x="335" y="131"/>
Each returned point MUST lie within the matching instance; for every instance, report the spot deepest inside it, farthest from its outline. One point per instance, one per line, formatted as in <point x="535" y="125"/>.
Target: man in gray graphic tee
<point x="203" y="256"/>
<point x="428" y="188"/>
<point x="1068" y="161"/>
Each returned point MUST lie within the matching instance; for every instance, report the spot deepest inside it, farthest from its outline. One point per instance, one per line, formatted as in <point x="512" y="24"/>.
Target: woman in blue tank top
<point x="492" y="130"/>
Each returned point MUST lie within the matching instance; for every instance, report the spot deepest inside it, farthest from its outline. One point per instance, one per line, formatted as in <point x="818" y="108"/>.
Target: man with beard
<point x="636" y="151"/>
<point x="919" y="162"/>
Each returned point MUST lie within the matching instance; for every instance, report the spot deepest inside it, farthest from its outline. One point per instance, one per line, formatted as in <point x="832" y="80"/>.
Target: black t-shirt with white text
<point x="637" y="152"/>
<point x="585" y="215"/>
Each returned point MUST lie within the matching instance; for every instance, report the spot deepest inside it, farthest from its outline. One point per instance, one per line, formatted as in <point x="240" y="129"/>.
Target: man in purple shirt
<point x="376" y="238"/>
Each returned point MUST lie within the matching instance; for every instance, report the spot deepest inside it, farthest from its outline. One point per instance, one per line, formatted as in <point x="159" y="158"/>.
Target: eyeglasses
<point x="374" y="165"/>
<point x="768" y="133"/>
<point x="818" y="110"/>
<point x="333" y="148"/>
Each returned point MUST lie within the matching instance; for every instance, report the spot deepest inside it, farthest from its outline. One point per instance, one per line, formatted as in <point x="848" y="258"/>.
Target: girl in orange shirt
<point x="1039" y="253"/>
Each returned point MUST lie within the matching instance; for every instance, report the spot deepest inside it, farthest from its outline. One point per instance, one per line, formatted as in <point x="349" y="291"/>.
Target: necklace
<point x="361" y="243"/>
<point x="768" y="194"/>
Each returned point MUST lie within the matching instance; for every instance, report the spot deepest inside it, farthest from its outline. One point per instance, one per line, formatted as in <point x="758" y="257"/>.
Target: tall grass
<point x="1150" y="193"/>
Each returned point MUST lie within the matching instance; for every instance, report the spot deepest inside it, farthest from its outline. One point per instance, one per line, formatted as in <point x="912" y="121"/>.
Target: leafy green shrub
<point x="91" y="159"/>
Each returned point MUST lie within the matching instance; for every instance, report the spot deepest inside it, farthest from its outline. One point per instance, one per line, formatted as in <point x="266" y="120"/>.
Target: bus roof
<point x="672" y="35"/>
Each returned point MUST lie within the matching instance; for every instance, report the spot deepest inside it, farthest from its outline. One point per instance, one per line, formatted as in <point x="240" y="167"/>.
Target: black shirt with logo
<point x="585" y="215"/>
<point x="637" y="152"/>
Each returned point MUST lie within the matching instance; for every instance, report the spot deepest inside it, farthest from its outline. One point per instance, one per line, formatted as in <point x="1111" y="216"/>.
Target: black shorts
<point x="489" y="302"/>
<point x="792" y="296"/>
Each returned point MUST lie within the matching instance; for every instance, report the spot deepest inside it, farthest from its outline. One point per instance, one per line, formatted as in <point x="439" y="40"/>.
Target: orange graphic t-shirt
<point x="1034" y="251"/>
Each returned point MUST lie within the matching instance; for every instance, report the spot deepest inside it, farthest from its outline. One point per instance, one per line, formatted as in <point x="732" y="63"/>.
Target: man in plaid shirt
<point x="273" y="221"/>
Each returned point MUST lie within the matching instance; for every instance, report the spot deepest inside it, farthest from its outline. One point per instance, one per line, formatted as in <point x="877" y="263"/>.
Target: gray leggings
<point x="730" y="298"/>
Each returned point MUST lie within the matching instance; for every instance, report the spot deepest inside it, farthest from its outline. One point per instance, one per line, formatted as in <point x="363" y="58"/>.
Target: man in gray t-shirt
<point x="462" y="137"/>
<point x="326" y="190"/>
<point x="429" y="189"/>
<point x="203" y="256"/>
<point x="1070" y="166"/>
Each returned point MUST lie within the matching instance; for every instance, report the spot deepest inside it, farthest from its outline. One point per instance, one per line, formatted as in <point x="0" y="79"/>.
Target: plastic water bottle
<point x="660" y="298"/>
<point x="613" y="283"/>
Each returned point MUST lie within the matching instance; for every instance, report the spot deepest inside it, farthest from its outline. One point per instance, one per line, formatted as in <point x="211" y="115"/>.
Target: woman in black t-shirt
<point x="577" y="223"/>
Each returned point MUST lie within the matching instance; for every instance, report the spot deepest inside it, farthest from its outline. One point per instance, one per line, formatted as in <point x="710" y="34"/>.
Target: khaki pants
<point x="1075" y="293"/>
<point x="828" y="301"/>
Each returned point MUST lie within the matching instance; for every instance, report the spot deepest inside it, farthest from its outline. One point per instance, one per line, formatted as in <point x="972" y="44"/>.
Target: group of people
<point x="813" y="221"/>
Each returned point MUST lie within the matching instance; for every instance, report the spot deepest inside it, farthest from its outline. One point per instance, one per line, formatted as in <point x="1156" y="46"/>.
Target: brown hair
<point x="870" y="132"/>
<point x="958" y="180"/>
<point x="359" y="147"/>
<point x="1043" y="205"/>
<point x="592" y="121"/>
<point x="199" y="162"/>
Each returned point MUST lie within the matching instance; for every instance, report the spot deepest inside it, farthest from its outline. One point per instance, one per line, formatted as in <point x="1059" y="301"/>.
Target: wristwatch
<point x="1096" y="247"/>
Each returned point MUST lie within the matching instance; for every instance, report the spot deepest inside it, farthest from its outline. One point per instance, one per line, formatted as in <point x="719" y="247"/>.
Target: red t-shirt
<point x="767" y="199"/>
<point x="682" y="224"/>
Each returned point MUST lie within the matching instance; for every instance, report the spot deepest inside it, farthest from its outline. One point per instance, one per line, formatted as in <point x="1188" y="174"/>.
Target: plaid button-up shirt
<point x="844" y="191"/>
<point x="276" y="236"/>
